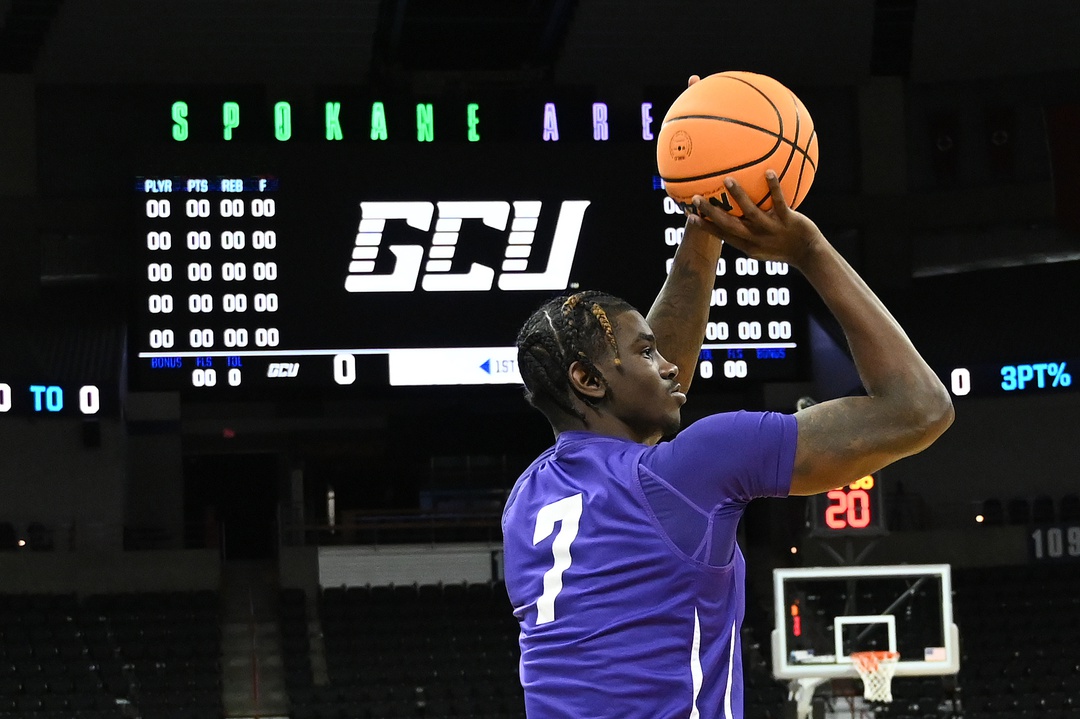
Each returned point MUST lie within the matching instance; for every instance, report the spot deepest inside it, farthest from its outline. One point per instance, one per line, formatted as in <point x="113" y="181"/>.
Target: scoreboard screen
<point x="315" y="263"/>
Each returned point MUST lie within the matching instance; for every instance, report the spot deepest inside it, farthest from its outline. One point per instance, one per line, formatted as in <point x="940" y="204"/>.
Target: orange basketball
<point x="736" y="124"/>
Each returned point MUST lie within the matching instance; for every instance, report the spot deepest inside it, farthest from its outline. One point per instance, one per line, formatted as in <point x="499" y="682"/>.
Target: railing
<point x="399" y="527"/>
<point x="478" y="523"/>
<point x="79" y="536"/>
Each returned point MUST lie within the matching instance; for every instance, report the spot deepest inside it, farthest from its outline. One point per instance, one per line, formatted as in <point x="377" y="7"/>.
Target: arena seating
<point x="1022" y="510"/>
<point x="296" y="647"/>
<point x="9" y="540"/>
<point x="451" y="651"/>
<point x="1020" y="631"/>
<point x="153" y="655"/>
<point x="408" y="651"/>
<point x="1069" y="508"/>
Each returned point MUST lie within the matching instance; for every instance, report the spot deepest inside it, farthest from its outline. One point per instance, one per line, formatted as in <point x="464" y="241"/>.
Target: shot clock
<point x="855" y="509"/>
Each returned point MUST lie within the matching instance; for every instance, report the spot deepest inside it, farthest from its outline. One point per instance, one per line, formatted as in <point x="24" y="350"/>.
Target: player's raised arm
<point x="680" y="312"/>
<point x="906" y="407"/>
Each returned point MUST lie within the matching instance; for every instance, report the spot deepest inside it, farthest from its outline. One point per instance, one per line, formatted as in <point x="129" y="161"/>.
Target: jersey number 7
<point x="567" y="512"/>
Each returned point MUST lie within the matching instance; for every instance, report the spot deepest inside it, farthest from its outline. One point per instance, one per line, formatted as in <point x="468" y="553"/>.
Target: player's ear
<point x="585" y="382"/>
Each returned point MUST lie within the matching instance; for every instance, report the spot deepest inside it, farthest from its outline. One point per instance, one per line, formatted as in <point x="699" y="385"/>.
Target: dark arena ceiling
<point x="603" y="43"/>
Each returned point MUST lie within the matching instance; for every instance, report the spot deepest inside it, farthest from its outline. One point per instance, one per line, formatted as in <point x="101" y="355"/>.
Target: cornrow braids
<point x="609" y="331"/>
<point x="564" y="330"/>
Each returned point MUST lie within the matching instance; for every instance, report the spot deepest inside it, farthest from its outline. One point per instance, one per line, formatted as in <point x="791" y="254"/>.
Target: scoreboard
<point x="37" y="398"/>
<point x="289" y="258"/>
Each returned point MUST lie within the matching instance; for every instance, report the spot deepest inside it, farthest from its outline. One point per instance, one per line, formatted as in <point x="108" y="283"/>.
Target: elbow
<point x="919" y="414"/>
<point x="932" y="414"/>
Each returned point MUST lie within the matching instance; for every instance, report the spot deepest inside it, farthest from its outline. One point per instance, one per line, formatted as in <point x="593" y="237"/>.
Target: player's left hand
<point x="698" y="227"/>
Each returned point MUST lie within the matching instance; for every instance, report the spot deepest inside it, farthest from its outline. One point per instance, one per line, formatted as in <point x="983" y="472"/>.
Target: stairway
<point x="253" y="678"/>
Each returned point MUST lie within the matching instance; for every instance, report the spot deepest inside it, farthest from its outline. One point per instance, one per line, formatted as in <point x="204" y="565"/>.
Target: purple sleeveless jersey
<point x="623" y="570"/>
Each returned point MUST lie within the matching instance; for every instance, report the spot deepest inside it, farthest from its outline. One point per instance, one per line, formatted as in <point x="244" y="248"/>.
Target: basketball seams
<point x="749" y="125"/>
<point x="758" y="90"/>
<point x="751" y="163"/>
<point x="806" y="153"/>
<point x="798" y="129"/>
<point x="718" y="172"/>
<point x="798" y="185"/>
<point x="779" y="136"/>
<point x="759" y="128"/>
<point x="794" y="166"/>
<point x="721" y="118"/>
<point x="807" y="161"/>
<point x="799" y="150"/>
<point x="782" y="140"/>
<point x="798" y="181"/>
<point x="791" y="156"/>
<point x="798" y="117"/>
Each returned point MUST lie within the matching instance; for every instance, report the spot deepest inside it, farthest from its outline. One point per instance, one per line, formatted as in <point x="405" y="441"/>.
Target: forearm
<point x="681" y="309"/>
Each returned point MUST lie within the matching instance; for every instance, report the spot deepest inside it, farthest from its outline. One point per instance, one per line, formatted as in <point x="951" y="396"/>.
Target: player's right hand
<point x="780" y="234"/>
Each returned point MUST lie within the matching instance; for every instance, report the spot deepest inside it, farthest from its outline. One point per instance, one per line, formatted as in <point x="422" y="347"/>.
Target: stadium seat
<point x="1019" y="510"/>
<point x="1069" y="508"/>
<point x="993" y="512"/>
<point x="409" y="651"/>
<point x="1043" y="510"/>
<point x="9" y="539"/>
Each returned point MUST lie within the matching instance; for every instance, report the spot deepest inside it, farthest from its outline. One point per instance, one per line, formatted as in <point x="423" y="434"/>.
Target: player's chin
<point x="673" y="423"/>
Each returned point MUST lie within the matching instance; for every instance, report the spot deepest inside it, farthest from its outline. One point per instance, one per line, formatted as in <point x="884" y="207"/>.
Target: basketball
<point x="736" y="124"/>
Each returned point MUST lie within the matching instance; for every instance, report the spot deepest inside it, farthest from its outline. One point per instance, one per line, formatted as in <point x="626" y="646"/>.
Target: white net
<point x="876" y="670"/>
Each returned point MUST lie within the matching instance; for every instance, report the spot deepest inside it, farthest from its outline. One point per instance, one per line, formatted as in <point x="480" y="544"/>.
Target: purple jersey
<point x="623" y="570"/>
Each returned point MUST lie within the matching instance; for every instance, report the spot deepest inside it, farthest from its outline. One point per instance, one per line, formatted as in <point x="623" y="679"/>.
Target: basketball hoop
<point x="876" y="671"/>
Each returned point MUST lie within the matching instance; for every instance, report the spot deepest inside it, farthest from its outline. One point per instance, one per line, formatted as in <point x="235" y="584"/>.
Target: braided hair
<point x="564" y="330"/>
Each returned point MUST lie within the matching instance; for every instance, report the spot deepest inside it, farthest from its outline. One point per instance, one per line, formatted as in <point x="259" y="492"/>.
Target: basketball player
<point x="620" y="554"/>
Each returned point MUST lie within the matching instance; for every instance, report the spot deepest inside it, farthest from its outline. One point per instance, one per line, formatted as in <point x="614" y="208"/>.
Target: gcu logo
<point x="283" y="369"/>
<point x="437" y="276"/>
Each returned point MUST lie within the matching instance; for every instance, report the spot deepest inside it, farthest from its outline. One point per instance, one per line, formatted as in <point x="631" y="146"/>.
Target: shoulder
<point x="729" y="427"/>
<point x="579" y="461"/>
<point x="526" y="476"/>
<point x="748" y="453"/>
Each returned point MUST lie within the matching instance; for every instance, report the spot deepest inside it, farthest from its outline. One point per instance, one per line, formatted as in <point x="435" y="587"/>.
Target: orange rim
<point x="870" y="660"/>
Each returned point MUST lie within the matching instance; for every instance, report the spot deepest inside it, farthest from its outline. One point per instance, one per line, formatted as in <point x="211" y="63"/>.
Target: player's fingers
<point x="751" y="212"/>
<point x="692" y="80"/>
<point x="780" y="205"/>
<point x="726" y="225"/>
<point x="694" y="222"/>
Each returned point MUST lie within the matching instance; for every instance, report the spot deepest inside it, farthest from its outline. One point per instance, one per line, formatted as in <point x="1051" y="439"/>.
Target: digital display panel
<point x="1042" y="376"/>
<point x="272" y="263"/>
<point x="852" y="509"/>
<point x="39" y="398"/>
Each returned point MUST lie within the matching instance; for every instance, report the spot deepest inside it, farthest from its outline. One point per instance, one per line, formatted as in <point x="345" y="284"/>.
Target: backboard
<point x="823" y="614"/>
